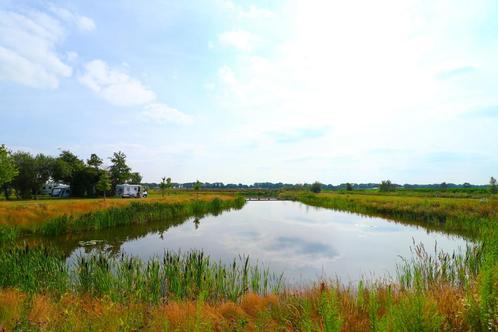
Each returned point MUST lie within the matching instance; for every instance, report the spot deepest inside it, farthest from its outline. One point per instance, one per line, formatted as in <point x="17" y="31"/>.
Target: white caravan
<point x="48" y="187"/>
<point x="129" y="190"/>
<point x="61" y="191"/>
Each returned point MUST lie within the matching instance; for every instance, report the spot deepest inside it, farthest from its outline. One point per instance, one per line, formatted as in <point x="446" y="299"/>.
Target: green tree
<point x="443" y="186"/>
<point x="93" y="172"/>
<point x="349" y="187"/>
<point x="135" y="178"/>
<point x="94" y="161"/>
<point x="197" y="186"/>
<point x="492" y="186"/>
<point x="44" y="170"/>
<point x="23" y="181"/>
<point x="120" y="171"/>
<point x="316" y="187"/>
<point x="66" y="166"/>
<point x="8" y="170"/>
<point x="387" y="186"/>
<point x="163" y="186"/>
<point x="169" y="185"/>
<point x="104" y="183"/>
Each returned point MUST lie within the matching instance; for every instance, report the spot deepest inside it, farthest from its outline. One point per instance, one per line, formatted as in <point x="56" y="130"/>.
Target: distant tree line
<point x="24" y="174"/>
<point x="343" y="186"/>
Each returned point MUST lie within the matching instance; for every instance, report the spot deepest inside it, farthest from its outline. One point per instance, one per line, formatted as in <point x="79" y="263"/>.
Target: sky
<point x="250" y="91"/>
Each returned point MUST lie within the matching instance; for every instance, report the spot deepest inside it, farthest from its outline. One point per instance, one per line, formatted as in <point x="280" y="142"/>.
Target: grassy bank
<point x="29" y="214"/>
<point x="476" y="218"/>
<point x="119" y="213"/>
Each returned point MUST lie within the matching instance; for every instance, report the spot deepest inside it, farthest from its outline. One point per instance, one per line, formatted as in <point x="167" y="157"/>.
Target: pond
<point x="303" y="242"/>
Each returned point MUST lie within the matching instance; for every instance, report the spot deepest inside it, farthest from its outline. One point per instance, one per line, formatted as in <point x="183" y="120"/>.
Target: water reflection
<point x="301" y="241"/>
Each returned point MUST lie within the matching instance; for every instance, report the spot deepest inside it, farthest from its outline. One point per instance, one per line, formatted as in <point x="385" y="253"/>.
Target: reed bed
<point x="132" y="213"/>
<point x="188" y="292"/>
<point x="172" y="277"/>
<point x="30" y="214"/>
<point x="135" y="213"/>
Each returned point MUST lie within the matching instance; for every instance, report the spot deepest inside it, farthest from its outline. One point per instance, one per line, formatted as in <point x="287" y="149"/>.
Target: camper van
<point x="61" y="191"/>
<point x="48" y="187"/>
<point x="129" y="190"/>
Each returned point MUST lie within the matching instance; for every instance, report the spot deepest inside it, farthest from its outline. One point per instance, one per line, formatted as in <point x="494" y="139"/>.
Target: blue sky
<point x="292" y="91"/>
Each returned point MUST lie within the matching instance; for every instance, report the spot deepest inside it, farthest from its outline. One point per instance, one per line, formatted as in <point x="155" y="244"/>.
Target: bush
<point x="316" y="187"/>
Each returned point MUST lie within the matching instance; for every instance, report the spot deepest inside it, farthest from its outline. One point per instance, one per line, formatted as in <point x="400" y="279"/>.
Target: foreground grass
<point x="190" y="293"/>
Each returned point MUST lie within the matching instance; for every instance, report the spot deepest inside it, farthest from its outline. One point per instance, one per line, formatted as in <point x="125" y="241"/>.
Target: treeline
<point x="23" y="174"/>
<point x="382" y="186"/>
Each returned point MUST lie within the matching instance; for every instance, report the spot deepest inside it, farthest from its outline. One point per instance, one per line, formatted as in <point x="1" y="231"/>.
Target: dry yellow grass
<point x="252" y="313"/>
<point x="27" y="214"/>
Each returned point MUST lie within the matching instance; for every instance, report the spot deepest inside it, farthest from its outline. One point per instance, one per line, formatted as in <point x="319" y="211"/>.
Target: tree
<point x="23" y="181"/>
<point x="8" y="170"/>
<point x="120" y="171"/>
<point x="316" y="187"/>
<point x="492" y="186"/>
<point x="162" y="185"/>
<point x="94" y="161"/>
<point x="66" y="166"/>
<point x="386" y="186"/>
<point x="349" y="187"/>
<point x="44" y="170"/>
<point x="135" y="178"/>
<point x="93" y="171"/>
<point x="169" y="185"/>
<point x="104" y="183"/>
<point x="197" y="187"/>
<point x="443" y="186"/>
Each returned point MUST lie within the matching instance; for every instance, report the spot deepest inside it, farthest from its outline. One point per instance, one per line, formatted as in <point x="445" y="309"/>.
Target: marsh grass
<point x="474" y="218"/>
<point x="29" y="214"/>
<point x="174" y="276"/>
<point x="433" y="291"/>
<point x="133" y="213"/>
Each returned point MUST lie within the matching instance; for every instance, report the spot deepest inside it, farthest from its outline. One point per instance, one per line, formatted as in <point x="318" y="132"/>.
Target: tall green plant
<point x="492" y="186"/>
<point x="104" y="183"/>
<point x="8" y="169"/>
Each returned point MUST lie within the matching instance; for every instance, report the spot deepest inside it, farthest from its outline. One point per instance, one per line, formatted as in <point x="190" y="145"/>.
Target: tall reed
<point x="174" y="276"/>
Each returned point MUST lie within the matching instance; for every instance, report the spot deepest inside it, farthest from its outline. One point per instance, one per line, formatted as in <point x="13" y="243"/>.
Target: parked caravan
<point x="61" y="191"/>
<point x="48" y="187"/>
<point x="130" y="190"/>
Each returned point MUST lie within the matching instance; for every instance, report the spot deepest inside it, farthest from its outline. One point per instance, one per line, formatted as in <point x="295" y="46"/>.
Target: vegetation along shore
<point x="192" y="292"/>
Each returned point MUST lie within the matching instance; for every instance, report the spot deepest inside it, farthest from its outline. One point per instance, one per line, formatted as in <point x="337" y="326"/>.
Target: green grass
<point x="431" y="292"/>
<point x="174" y="276"/>
<point x="134" y="213"/>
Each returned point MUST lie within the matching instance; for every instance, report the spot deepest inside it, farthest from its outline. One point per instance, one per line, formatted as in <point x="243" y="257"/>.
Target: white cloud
<point x="115" y="86"/>
<point x="240" y="39"/>
<point x="86" y="23"/>
<point x="82" y="22"/>
<point x="369" y="72"/>
<point x="118" y="88"/>
<point x="28" y="53"/>
<point x="162" y="113"/>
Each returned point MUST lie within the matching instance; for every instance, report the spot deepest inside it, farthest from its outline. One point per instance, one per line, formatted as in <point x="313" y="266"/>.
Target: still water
<point x="303" y="242"/>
